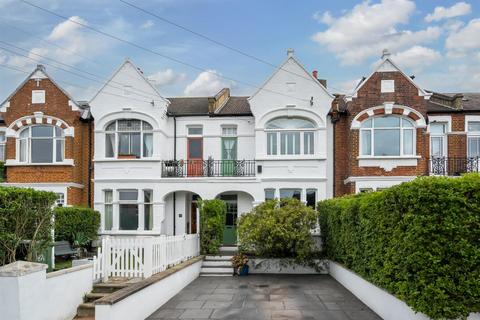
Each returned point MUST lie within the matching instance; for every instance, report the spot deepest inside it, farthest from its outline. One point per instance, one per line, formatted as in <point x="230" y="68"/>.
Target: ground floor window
<point x="108" y="209"/>
<point x="291" y="194"/>
<point x="60" y="202"/>
<point x="148" y="209"/>
<point x="311" y="197"/>
<point x="269" y="194"/>
<point x="128" y="209"/>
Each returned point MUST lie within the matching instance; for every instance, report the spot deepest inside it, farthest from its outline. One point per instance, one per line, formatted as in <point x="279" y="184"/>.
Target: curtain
<point x="147" y="144"/>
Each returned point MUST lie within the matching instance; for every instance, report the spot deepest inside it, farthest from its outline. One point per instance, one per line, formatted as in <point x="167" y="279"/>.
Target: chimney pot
<point x="385" y="54"/>
<point x="290" y="52"/>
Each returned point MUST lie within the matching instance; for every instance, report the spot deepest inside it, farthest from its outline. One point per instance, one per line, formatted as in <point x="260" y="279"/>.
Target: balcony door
<point x="229" y="155"/>
<point x="195" y="156"/>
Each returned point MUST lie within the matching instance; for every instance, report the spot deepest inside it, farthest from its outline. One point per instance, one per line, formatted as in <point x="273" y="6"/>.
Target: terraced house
<point x="45" y="140"/>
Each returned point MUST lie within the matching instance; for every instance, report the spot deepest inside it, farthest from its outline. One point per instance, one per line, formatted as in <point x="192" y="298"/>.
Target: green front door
<point x="230" y="230"/>
<point x="229" y="155"/>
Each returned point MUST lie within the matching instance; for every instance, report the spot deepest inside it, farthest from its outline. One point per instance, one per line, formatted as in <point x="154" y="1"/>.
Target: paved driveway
<point x="265" y="297"/>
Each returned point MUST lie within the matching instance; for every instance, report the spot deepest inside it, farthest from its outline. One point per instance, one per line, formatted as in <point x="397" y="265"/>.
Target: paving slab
<point x="306" y="297"/>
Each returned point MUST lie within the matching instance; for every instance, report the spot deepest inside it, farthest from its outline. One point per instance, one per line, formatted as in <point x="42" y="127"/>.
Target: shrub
<point x="212" y="221"/>
<point x="2" y="171"/>
<point x="419" y="240"/>
<point x="25" y="215"/>
<point x="72" y="223"/>
<point x="279" y="229"/>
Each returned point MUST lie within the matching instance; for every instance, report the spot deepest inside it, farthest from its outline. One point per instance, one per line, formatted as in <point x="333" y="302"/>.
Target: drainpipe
<point x="90" y="168"/>
<point x="174" y="159"/>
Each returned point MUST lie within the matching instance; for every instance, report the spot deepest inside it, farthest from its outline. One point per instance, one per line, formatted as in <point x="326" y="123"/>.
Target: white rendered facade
<point x="150" y="183"/>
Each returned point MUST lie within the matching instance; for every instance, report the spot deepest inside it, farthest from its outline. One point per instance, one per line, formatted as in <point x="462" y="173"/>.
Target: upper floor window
<point x="38" y="96"/>
<point x="387" y="136"/>
<point x="41" y="144"/>
<point x="129" y="137"/>
<point x="194" y="130"/>
<point x="438" y="140"/>
<point x="473" y="128"/>
<point x="290" y="136"/>
<point x="3" y="140"/>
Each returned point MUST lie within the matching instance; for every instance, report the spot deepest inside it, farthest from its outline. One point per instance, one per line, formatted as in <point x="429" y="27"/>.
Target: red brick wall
<point x="76" y="148"/>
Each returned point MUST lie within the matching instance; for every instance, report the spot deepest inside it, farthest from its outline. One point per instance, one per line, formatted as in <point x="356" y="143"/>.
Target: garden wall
<point x="27" y="292"/>
<point x="417" y="240"/>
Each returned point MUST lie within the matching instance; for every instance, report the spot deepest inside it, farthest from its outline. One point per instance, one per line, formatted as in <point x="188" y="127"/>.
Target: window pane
<point x="308" y="143"/>
<point x="271" y="143"/>
<point x="108" y="196"/>
<point x="148" y="216"/>
<point x="147" y="144"/>
<point x="195" y="130"/>
<point x="406" y="123"/>
<point x="42" y="150"/>
<point x="147" y="196"/>
<point x="408" y="142"/>
<point x="283" y="143"/>
<point x="135" y="142"/>
<point x="366" y="140"/>
<point x="128" y="216"/>
<point x="111" y="126"/>
<point x="2" y="136"/>
<point x="383" y="122"/>
<point x="59" y="150"/>
<point x="367" y="124"/>
<point x="296" y="143"/>
<point x="311" y="197"/>
<point x="290" y="193"/>
<point x="124" y="144"/>
<point x="58" y="132"/>
<point x="289" y="123"/>
<point x="437" y="128"/>
<point x="146" y="126"/>
<point x="129" y="195"/>
<point x="42" y="131"/>
<point x="474" y="146"/>
<point x="24" y="133"/>
<point x="229" y="131"/>
<point x="436" y="146"/>
<point x="387" y="142"/>
<point x="269" y="194"/>
<point x="109" y="145"/>
<point x="23" y="150"/>
<point x="195" y="148"/>
<point x="2" y="152"/>
<point x="474" y="126"/>
<point x="129" y="125"/>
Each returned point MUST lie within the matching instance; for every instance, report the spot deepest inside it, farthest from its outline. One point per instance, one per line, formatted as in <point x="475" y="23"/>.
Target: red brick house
<point x="46" y="140"/>
<point x="390" y="130"/>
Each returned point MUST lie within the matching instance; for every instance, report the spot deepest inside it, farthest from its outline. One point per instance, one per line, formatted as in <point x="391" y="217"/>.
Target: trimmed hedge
<point x="212" y="221"/>
<point x="419" y="240"/>
<point x="25" y="216"/>
<point x="70" y="222"/>
<point x="279" y="229"/>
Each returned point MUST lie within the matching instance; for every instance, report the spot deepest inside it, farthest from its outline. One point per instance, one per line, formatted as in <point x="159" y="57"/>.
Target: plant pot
<point x="243" y="271"/>
<point x="127" y="156"/>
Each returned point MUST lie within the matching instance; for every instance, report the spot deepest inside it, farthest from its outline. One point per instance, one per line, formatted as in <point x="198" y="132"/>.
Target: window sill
<point x="388" y="163"/>
<point x="291" y="157"/>
<point x="387" y="157"/>
<point x="127" y="160"/>
<point x="13" y="163"/>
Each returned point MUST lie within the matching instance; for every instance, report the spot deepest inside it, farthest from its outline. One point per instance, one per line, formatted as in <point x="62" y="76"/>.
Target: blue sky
<point x="438" y="41"/>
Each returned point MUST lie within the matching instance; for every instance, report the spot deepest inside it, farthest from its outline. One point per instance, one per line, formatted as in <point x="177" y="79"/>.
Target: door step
<point x="217" y="266"/>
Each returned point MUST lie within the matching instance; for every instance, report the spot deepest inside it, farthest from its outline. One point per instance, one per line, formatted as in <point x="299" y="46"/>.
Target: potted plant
<point x="239" y="264"/>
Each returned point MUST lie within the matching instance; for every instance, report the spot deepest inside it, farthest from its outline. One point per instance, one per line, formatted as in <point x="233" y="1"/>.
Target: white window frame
<point x="38" y="96"/>
<point x="471" y="135"/>
<point x="28" y="147"/>
<point x="117" y="133"/>
<point x="227" y="134"/>
<point x="60" y="201"/>
<point x="3" y="145"/>
<point x="111" y="205"/>
<point x="443" y="136"/>
<point x="277" y="133"/>
<point x="372" y="139"/>
<point x="188" y="127"/>
<point x="134" y="202"/>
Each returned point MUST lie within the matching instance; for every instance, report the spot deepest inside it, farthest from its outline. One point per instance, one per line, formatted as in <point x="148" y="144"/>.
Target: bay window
<point x="290" y="136"/>
<point x="473" y="138"/>
<point x="41" y="144"/>
<point x="129" y="137"/>
<point x="387" y="136"/>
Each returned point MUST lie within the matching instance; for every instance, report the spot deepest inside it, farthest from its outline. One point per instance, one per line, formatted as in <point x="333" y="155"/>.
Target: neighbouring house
<point x="391" y="130"/>
<point x="155" y="157"/>
<point x="45" y="140"/>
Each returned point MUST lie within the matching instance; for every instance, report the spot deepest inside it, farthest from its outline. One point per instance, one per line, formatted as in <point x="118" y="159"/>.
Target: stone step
<point x="86" y="310"/>
<point x="216" y="270"/>
<point x="215" y="275"/>
<point x="108" y="287"/>
<point x="218" y="258"/>
<point x="217" y="263"/>
<point x="92" y="296"/>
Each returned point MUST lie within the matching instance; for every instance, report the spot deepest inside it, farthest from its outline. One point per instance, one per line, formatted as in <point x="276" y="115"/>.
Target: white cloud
<point x="463" y="41"/>
<point x="325" y="18"/>
<point x="147" y="24"/>
<point x="348" y="86"/>
<point x="416" y="58"/>
<point x="166" y="77"/>
<point x="457" y="10"/>
<point x="207" y="83"/>
<point x="366" y="29"/>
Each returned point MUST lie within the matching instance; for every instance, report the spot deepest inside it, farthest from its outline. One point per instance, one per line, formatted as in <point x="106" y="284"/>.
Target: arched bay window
<point x="387" y="136"/>
<point x="129" y="138"/>
<point x="41" y="144"/>
<point x="290" y="136"/>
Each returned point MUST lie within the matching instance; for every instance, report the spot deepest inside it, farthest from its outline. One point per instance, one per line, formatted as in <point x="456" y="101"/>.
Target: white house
<point x="155" y="156"/>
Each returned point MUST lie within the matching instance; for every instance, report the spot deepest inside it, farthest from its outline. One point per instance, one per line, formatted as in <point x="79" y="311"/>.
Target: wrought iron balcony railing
<point x="208" y="168"/>
<point x="444" y="166"/>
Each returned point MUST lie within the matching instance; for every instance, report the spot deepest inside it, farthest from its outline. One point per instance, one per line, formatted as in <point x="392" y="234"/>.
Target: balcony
<point x="208" y="168"/>
<point x="453" y="166"/>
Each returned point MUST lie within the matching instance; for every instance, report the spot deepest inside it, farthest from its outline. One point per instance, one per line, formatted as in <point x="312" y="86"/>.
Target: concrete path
<point x="265" y="297"/>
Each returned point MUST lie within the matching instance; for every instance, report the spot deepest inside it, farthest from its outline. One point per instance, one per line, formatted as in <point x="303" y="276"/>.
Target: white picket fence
<point x="142" y="256"/>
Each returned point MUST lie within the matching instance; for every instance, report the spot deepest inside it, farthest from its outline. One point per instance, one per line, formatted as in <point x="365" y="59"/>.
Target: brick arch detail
<point x="39" y="118"/>
<point x="386" y="109"/>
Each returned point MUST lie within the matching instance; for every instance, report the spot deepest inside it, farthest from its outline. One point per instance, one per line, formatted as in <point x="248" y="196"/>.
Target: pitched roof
<point x="198" y="106"/>
<point x="454" y="102"/>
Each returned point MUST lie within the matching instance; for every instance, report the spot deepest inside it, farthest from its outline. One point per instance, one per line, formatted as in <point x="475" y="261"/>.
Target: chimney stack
<point x="322" y="81"/>
<point x="290" y="52"/>
<point x="219" y="100"/>
<point x="315" y="74"/>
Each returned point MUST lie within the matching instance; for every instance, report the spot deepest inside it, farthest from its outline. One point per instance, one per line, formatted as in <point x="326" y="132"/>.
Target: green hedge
<point x="212" y="222"/>
<point x="2" y="171"/>
<point x="419" y="240"/>
<point x="279" y="229"/>
<point x="25" y="217"/>
<point x="75" y="222"/>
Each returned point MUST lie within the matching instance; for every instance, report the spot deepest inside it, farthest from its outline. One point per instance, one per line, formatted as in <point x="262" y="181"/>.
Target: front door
<point x="230" y="230"/>
<point x="229" y="155"/>
<point x="195" y="157"/>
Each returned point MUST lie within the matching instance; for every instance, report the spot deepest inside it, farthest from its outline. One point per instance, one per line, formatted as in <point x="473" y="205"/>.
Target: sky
<point x="437" y="41"/>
